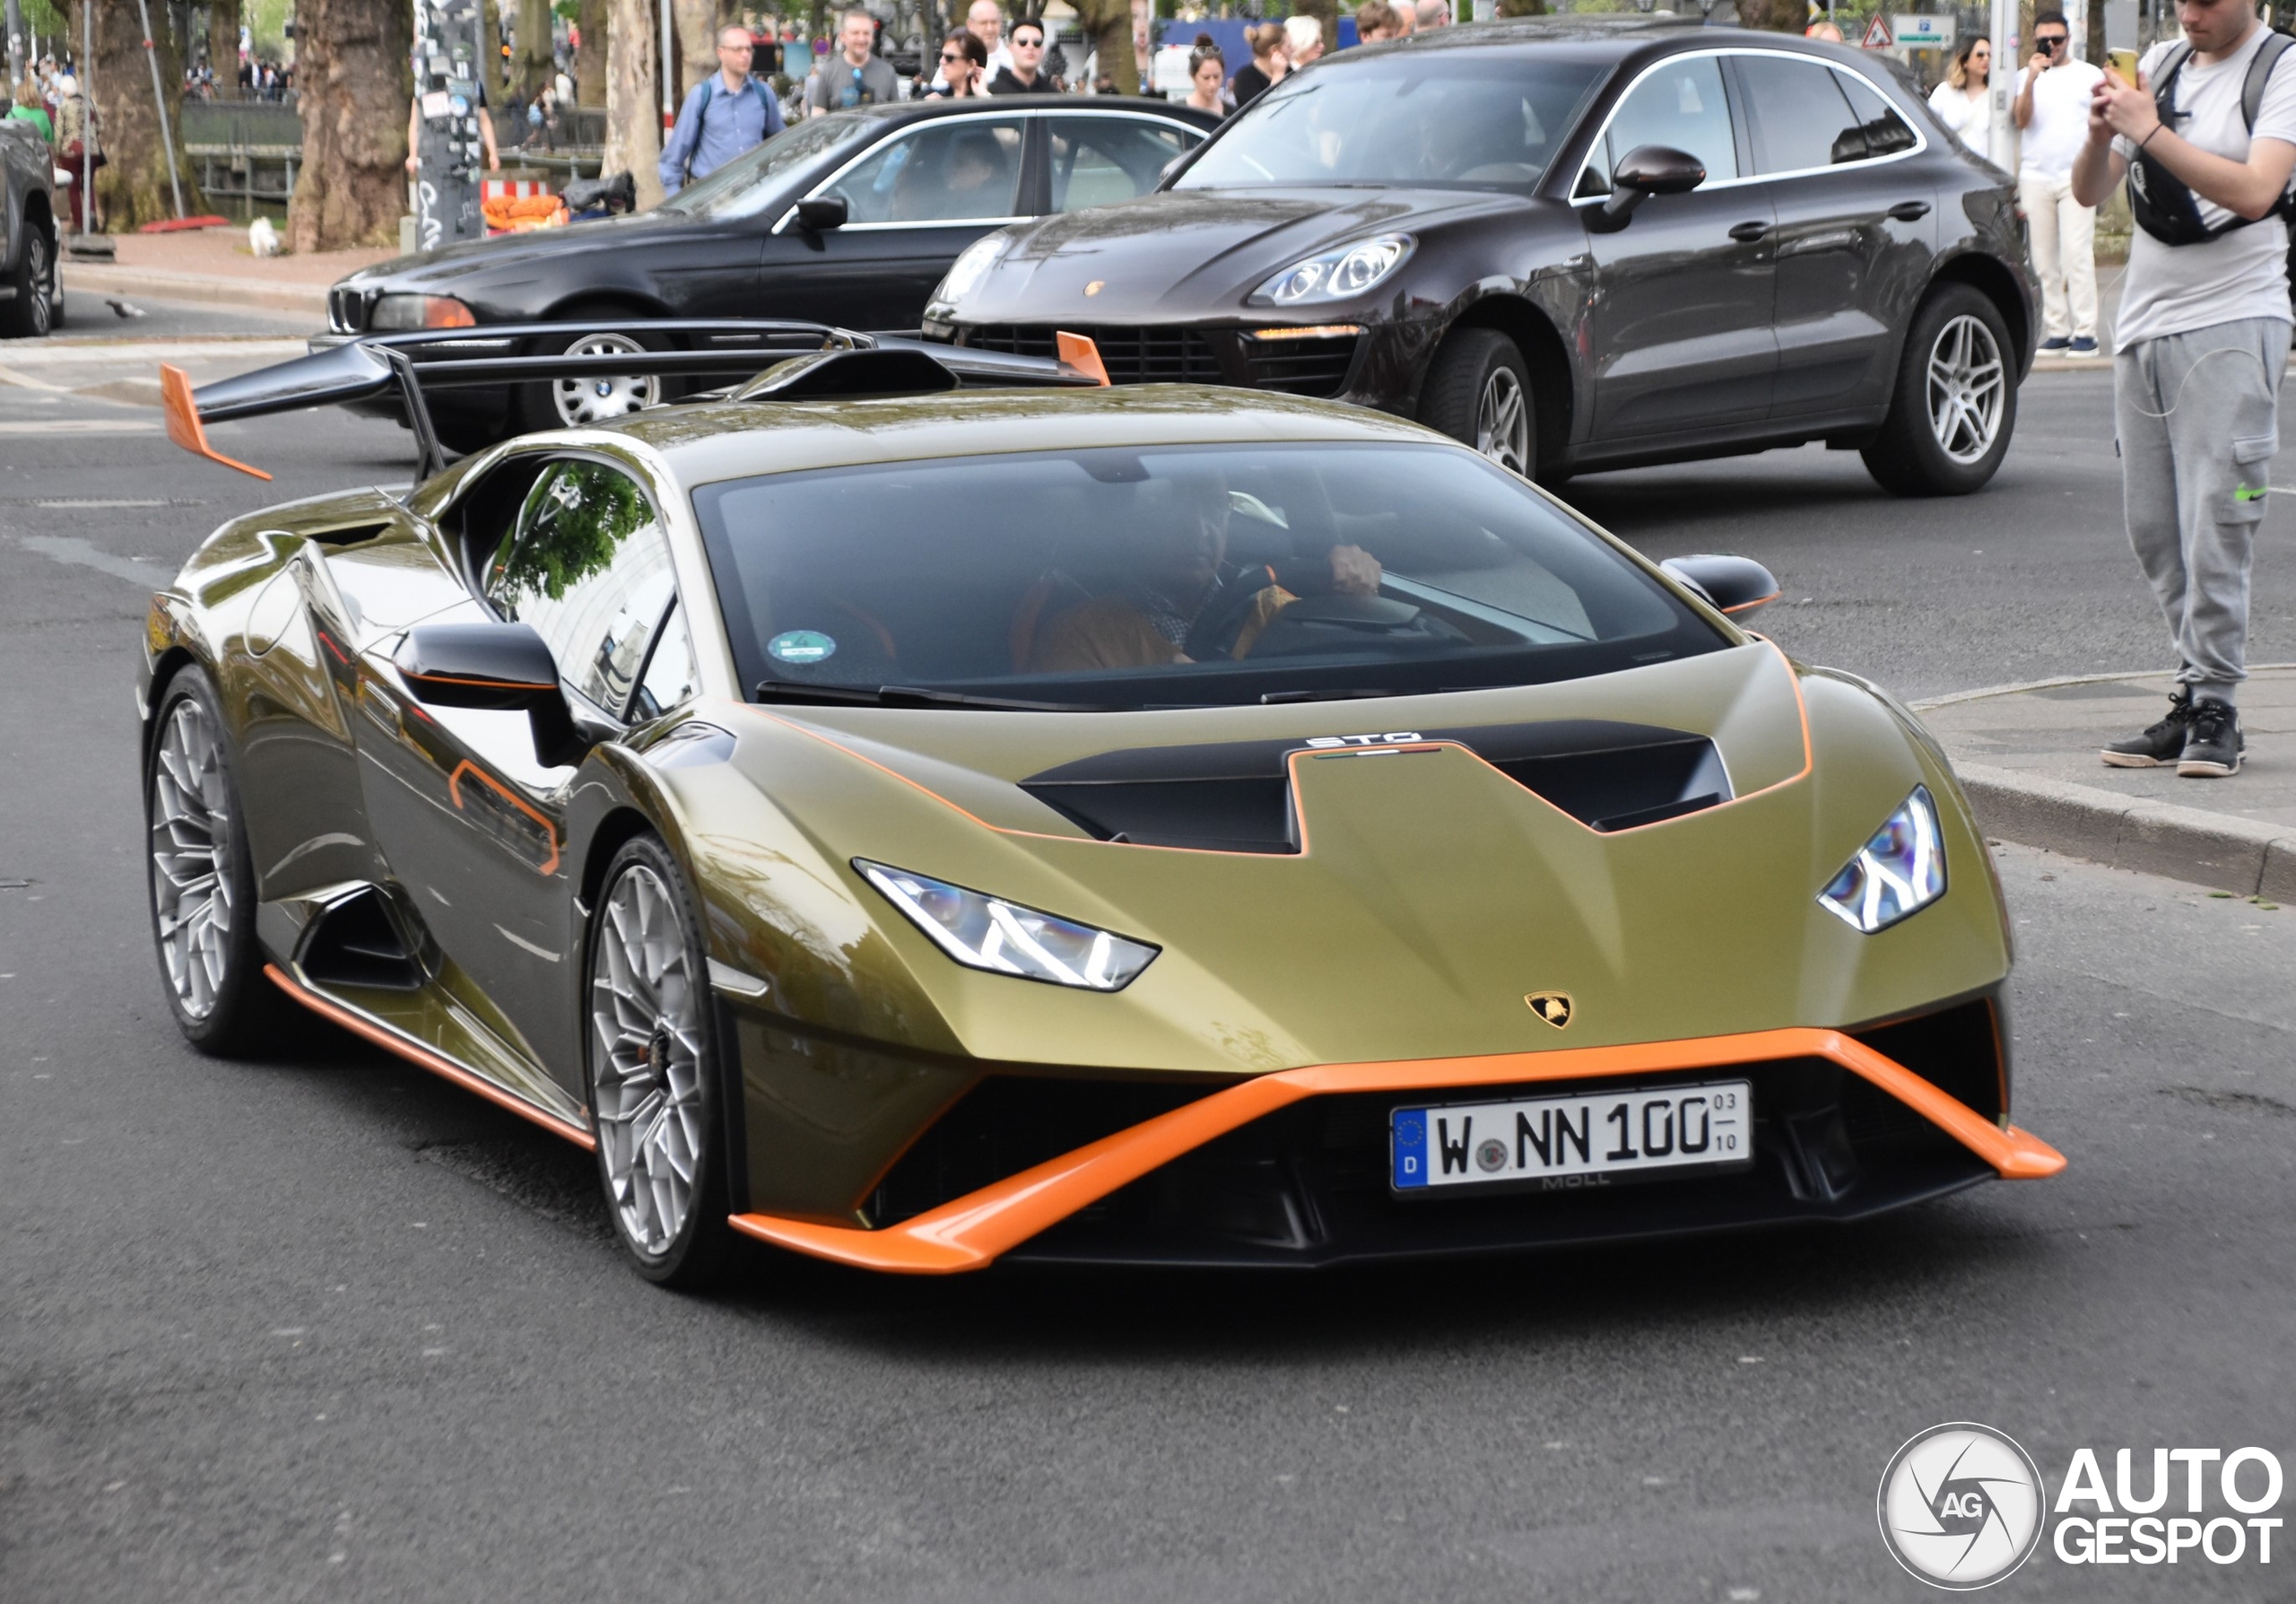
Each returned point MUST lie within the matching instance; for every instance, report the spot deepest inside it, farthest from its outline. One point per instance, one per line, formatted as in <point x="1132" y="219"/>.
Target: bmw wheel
<point x="597" y="399"/>
<point x="1478" y="391"/>
<point x="201" y="883"/>
<point x="1955" y="404"/>
<point x="653" y="1071"/>
<point x="28" y="314"/>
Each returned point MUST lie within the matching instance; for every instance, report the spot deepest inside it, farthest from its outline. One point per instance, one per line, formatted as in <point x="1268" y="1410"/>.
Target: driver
<point x="1144" y="622"/>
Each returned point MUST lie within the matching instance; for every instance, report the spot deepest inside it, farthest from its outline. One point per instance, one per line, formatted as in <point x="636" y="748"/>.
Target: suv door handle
<point x="1909" y="210"/>
<point x="1746" y="233"/>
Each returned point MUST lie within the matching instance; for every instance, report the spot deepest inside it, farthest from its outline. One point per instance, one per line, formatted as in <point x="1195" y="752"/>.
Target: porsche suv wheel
<point x="653" y="1070"/>
<point x="1956" y="404"/>
<point x="1478" y="392"/>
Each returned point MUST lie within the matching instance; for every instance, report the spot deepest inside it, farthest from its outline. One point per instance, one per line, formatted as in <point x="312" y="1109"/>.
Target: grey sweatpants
<point x="2199" y="420"/>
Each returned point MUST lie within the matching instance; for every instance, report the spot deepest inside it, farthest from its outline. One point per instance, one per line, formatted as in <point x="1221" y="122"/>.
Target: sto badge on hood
<point x="1553" y="1006"/>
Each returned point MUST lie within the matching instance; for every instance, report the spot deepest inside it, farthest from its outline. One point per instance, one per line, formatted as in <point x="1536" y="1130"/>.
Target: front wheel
<point x="1956" y="404"/>
<point x="653" y="1068"/>
<point x="30" y="313"/>
<point x="1478" y="391"/>
<point x="596" y="399"/>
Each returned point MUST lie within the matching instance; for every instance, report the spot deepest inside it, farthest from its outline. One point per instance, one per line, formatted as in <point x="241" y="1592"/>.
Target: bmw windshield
<point x="754" y="179"/>
<point x="1183" y="576"/>
<point x="1438" y="121"/>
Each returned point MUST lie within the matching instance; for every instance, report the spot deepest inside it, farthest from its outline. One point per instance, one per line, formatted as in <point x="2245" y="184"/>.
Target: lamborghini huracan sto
<point x="1148" y="824"/>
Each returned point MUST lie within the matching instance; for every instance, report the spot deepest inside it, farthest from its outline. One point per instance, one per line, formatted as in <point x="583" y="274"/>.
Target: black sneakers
<point x="2164" y="743"/>
<point x="2212" y="744"/>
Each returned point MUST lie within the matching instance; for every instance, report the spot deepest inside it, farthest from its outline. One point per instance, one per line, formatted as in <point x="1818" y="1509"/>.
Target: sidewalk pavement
<point x="2027" y="756"/>
<point x="214" y="266"/>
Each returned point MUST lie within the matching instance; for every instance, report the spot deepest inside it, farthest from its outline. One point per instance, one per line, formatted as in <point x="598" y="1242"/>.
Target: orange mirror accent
<point x="1080" y="353"/>
<point x="184" y="426"/>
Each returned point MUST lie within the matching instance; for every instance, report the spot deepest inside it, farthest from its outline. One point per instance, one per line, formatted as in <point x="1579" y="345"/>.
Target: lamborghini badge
<point x="1553" y="1006"/>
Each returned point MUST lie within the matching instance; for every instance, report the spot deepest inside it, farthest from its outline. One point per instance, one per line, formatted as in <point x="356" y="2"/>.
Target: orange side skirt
<point x="971" y="1231"/>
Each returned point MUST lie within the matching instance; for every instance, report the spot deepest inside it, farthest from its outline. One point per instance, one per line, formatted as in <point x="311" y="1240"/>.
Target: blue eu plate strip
<point x="1407" y="1141"/>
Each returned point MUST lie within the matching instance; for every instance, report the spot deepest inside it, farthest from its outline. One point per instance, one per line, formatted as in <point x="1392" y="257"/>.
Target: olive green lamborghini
<point x="921" y="816"/>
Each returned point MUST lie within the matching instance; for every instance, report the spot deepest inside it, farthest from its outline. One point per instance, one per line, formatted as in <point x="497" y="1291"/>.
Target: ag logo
<point x="1553" y="1006"/>
<point x="1960" y="1506"/>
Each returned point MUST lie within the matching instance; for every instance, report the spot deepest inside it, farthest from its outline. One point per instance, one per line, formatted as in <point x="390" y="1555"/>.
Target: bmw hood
<point x="441" y="271"/>
<point x="1193" y="252"/>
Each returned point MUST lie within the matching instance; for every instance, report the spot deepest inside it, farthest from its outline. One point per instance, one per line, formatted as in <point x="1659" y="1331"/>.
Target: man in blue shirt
<point x="727" y="113"/>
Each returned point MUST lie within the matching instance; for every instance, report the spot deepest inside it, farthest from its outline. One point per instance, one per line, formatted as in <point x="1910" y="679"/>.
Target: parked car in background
<point x="31" y="285"/>
<point x="848" y="219"/>
<point x="1571" y="243"/>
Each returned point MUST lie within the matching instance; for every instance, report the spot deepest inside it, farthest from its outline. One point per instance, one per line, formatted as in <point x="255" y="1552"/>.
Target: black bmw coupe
<point x="1573" y="244"/>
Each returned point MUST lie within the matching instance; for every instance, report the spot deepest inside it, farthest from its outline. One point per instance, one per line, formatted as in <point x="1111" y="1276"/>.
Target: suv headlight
<point x="969" y="269"/>
<point x="1334" y="275"/>
<point x="421" y="311"/>
<point x="985" y="932"/>
<point x="1895" y="874"/>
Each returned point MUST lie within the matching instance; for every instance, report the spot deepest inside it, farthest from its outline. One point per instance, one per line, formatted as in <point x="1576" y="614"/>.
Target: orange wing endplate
<point x="184" y="426"/>
<point x="1080" y="352"/>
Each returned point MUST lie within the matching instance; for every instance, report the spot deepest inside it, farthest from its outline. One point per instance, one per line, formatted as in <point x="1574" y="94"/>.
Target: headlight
<point x="1335" y="275"/>
<point x="421" y="311"/>
<point x="969" y="269"/>
<point x="985" y="932"/>
<point x="1896" y="874"/>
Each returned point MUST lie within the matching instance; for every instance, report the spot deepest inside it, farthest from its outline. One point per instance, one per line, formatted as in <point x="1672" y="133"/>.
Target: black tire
<point x="1948" y="427"/>
<point x="1473" y="373"/>
<point x="694" y="1254"/>
<point x="538" y="405"/>
<point x="215" y="987"/>
<point x="30" y="313"/>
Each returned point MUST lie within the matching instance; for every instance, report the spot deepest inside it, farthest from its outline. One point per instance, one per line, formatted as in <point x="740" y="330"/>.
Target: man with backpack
<point x="727" y="112"/>
<point x="2206" y="138"/>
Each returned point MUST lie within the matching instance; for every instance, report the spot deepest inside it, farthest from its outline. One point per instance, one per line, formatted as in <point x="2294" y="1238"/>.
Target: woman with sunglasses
<point x="1207" y="77"/>
<point x="1963" y="102"/>
<point x="964" y="63"/>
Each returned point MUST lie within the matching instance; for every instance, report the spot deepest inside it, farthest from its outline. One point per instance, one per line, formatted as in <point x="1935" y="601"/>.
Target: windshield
<point x="1185" y="576"/>
<point x="1438" y="120"/>
<point x="752" y="180"/>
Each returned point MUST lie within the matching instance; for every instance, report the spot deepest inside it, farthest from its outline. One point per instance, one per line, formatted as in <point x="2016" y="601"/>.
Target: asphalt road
<point x="323" y="1327"/>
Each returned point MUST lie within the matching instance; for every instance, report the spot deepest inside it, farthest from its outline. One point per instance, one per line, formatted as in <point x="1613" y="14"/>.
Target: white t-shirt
<point x="2060" y="125"/>
<point x="1970" y="121"/>
<point x="2175" y="289"/>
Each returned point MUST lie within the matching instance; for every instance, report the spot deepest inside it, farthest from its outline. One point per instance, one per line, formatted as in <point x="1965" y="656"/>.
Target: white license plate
<point x="1558" y="1144"/>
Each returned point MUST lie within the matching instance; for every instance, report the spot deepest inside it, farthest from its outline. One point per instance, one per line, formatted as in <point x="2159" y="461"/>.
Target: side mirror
<point x="502" y="667"/>
<point x="1645" y="170"/>
<point x="1733" y="585"/>
<point x="821" y="213"/>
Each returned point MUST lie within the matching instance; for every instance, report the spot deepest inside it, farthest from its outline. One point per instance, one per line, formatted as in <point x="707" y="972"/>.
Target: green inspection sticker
<point x="801" y="646"/>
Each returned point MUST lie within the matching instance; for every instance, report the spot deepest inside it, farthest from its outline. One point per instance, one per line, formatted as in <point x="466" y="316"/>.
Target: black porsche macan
<point x="1573" y="244"/>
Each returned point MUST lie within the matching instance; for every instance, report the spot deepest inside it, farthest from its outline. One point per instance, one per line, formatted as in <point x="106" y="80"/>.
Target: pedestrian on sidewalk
<point x="1304" y="38"/>
<point x="1963" y="102"/>
<point x="964" y="66"/>
<point x="1268" y="67"/>
<point x="2052" y="107"/>
<point x="1026" y="75"/>
<point x="727" y="113"/>
<point x="2207" y="141"/>
<point x="856" y="75"/>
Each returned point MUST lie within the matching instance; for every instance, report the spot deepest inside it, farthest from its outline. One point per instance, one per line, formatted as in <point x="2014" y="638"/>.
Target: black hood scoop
<point x="1235" y="795"/>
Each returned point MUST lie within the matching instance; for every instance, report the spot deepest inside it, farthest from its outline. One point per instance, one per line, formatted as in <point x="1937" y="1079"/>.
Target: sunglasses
<point x="1028" y="44"/>
<point x="952" y="57"/>
<point x="2050" y="41"/>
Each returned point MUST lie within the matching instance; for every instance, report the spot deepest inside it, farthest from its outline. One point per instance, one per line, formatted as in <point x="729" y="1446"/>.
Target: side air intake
<point x="357" y="943"/>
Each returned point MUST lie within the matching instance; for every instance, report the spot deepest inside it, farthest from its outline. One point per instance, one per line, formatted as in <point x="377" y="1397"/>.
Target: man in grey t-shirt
<point x="2201" y="340"/>
<point x="853" y="76"/>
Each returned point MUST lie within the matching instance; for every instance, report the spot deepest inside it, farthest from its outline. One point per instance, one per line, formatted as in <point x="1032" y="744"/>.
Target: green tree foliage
<point x="574" y="521"/>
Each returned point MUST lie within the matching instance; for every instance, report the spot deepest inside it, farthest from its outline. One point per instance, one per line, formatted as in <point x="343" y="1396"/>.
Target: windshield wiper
<point x="1277" y="698"/>
<point x="786" y="690"/>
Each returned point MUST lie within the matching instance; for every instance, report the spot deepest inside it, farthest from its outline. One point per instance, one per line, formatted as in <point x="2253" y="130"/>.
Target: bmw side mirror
<point x="1733" y="585"/>
<point x="506" y="668"/>
<point x="1645" y="170"/>
<point x="821" y="213"/>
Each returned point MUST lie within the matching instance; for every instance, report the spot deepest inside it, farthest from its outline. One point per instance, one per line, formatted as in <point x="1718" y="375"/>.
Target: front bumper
<point x="1289" y="1167"/>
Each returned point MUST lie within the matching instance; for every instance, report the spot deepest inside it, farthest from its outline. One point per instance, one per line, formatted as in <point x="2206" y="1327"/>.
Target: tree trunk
<point x="1777" y="16"/>
<point x="1108" y="24"/>
<point x="696" y="32"/>
<point x="132" y="188"/>
<point x="351" y="76"/>
<point x="590" y="60"/>
<point x="633" y="115"/>
<point x="1520" y="8"/>
<point x="534" y="61"/>
<point x="223" y="46"/>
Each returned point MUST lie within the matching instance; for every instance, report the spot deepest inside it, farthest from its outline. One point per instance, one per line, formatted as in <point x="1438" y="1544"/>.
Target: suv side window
<point x="960" y="169"/>
<point x="1680" y="105"/>
<point x="588" y="565"/>
<point x="1802" y="118"/>
<point x="1886" y="133"/>
<point x="1100" y="159"/>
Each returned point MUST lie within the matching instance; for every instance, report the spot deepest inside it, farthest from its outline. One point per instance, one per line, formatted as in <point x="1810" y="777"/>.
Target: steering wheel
<point x="1214" y="633"/>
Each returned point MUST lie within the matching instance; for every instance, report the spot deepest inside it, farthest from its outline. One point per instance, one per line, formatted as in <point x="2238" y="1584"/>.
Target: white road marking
<point x="81" y="426"/>
<point x="25" y="380"/>
<point x="98" y="503"/>
<point x="151" y="576"/>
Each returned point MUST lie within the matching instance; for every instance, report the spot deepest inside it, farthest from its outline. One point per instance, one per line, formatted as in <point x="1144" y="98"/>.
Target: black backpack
<point x="2161" y="202"/>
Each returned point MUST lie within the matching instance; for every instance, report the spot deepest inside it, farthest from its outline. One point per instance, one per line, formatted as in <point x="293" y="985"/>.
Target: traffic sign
<point x="1877" y="36"/>
<point x="1923" y="31"/>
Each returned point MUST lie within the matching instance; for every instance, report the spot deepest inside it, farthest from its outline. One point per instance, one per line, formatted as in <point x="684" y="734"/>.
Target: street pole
<point x="87" y="218"/>
<point x="669" y="74"/>
<point x="159" y="97"/>
<point x="2005" y="66"/>
<point x="15" y="25"/>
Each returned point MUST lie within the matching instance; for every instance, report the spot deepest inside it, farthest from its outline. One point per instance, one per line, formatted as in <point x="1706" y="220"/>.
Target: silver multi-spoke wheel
<point x="603" y="399"/>
<point x="1967" y="385"/>
<point x="191" y="864"/>
<point x="646" y="1061"/>
<point x="1502" y="422"/>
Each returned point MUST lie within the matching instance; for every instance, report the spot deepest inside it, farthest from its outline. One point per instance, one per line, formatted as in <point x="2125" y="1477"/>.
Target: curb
<point x="82" y="278"/>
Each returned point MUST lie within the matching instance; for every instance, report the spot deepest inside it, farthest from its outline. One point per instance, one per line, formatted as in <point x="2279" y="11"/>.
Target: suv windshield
<point x="1446" y="120"/>
<point x="1182" y="576"/>
<point x="750" y="180"/>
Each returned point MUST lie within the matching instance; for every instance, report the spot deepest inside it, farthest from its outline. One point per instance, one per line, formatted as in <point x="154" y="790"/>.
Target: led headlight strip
<point x="1900" y="871"/>
<point x="984" y="932"/>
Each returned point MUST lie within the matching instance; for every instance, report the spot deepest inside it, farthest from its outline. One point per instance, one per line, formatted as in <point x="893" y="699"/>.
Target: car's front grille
<point x="1314" y="367"/>
<point x="1130" y="355"/>
<point x="346" y="311"/>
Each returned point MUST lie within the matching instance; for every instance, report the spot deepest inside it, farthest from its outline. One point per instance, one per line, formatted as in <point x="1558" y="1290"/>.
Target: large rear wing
<point x="754" y="359"/>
